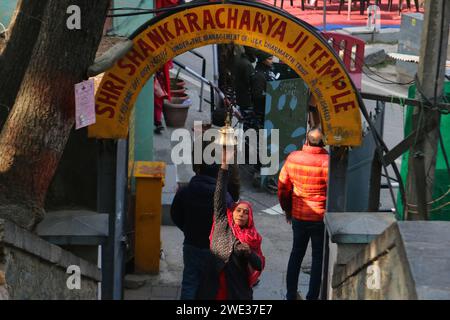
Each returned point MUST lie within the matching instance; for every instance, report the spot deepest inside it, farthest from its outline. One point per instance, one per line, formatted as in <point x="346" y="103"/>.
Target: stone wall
<point x="350" y="233"/>
<point x="31" y="268"/>
<point x="411" y="259"/>
<point x="386" y="253"/>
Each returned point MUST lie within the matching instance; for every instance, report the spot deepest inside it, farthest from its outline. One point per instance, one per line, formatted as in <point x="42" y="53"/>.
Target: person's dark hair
<point x="210" y="170"/>
<point x="262" y="55"/>
<point x="250" y="52"/>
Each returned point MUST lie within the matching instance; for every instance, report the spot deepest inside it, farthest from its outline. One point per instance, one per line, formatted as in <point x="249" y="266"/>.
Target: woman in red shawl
<point x="237" y="259"/>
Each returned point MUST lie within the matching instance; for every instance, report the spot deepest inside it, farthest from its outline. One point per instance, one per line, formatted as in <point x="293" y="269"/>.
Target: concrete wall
<point x="31" y="268"/>
<point x="386" y="253"/>
<point x="410" y="259"/>
<point x="409" y="43"/>
<point x="350" y="233"/>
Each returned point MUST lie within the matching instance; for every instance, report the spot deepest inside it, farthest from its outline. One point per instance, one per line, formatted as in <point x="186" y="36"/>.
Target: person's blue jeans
<point x="303" y="231"/>
<point x="194" y="260"/>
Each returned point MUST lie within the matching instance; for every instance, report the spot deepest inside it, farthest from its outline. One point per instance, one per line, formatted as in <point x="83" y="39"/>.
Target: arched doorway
<point x="245" y="23"/>
<point x="250" y="24"/>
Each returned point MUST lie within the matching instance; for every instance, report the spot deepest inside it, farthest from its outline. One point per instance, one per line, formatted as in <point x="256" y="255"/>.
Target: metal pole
<point x="202" y="84"/>
<point x="430" y="84"/>
<point x="119" y="239"/>
<point x="215" y="65"/>
<point x="201" y="96"/>
<point x="324" y="15"/>
<point x="106" y="164"/>
<point x="349" y="9"/>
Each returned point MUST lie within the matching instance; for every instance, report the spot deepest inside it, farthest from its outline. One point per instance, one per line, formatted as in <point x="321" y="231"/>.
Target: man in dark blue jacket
<point x="192" y="211"/>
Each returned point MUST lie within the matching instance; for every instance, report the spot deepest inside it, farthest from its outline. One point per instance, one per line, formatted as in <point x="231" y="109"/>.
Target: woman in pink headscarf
<point x="237" y="260"/>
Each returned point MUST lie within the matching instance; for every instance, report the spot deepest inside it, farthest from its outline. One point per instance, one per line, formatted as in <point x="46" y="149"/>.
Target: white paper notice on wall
<point x="84" y="104"/>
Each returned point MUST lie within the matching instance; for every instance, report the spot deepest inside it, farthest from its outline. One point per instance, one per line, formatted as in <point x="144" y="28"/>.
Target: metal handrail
<point x="203" y="80"/>
<point x="203" y="75"/>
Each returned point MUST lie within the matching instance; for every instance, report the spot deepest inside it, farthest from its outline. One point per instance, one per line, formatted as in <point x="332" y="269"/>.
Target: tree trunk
<point x="36" y="131"/>
<point x="24" y="26"/>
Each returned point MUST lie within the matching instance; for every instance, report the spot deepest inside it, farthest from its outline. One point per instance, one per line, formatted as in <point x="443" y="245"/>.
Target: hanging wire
<point x="444" y="152"/>
<point x="434" y="209"/>
<point x="142" y="11"/>
<point x="361" y="63"/>
<point x="435" y="200"/>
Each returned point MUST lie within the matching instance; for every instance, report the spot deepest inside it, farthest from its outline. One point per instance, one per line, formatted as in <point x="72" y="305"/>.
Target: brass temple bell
<point x="227" y="136"/>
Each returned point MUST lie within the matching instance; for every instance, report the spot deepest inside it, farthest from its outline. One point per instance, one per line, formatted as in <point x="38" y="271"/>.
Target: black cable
<point x="142" y="11"/>
<point x="128" y="8"/>
<point x="436" y="80"/>
<point x="388" y="81"/>
<point x="360" y="63"/>
<point x="444" y="152"/>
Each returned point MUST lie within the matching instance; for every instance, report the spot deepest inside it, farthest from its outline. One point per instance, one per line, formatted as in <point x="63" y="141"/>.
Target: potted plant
<point x="176" y="82"/>
<point x="176" y="111"/>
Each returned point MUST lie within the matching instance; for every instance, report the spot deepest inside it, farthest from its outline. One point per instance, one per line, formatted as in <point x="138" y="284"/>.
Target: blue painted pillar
<point x="143" y="124"/>
<point x="6" y="12"/>
<point x="141" y="121"/>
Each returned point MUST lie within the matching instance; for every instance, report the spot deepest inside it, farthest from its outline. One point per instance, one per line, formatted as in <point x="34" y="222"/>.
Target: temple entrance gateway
<point x="251" y="24"/>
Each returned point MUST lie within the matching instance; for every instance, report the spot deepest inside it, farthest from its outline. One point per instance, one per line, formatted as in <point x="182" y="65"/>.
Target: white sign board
<point x="84" y="104"/>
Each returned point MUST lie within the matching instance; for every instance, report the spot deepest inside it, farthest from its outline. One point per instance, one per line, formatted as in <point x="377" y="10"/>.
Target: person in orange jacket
<point x="302" y="192"/>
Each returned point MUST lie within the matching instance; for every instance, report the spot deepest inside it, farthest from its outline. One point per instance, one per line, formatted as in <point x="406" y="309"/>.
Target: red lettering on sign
<point x="192" y="19"/>
<point x="245" y="21"/>
<point x="145" y="47"/>
<point x="112" y="88"/>
<point x="208" y="20"/>
<point x="180" y="27"/>
<point x="327" y="69"/>
<point x="219" y="23"/>
<point x="339" y="83"/>
<point x="122" y="65"/>
<point x="315" y="49"/>
<point x="165" y="32"/>
<point x="155" y="38"/>
<point x="335" y="97"/>
<point x="281" y="31"/>
<point x="321" y="55"/>
<point x="120" y="80"/>
<point x="101" y="110"/>
<point x="299" y="41"/>
<point x="232" y="18"/>
<point x="135" y="57"/>
<point x="272" y="23"/>
<point x="344" y="106"/>
<point x="257" y="24"/>
<point x="107" y="98"/>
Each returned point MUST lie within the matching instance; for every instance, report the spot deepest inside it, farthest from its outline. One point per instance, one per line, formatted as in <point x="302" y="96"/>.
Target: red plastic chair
<point x="351" y="51"/>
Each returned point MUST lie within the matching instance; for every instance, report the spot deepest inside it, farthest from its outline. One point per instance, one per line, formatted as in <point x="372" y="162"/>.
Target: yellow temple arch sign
<point x="244" y="23"/>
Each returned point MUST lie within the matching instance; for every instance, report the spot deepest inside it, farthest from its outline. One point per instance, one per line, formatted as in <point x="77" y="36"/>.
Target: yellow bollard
<point x="149" y="182"/>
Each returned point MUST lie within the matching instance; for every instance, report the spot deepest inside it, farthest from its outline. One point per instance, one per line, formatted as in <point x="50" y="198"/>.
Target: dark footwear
<point x="158" y="129"/>
<point x="297" y="297"/>
<point x="272" y="186"/>
<point x="256" y="181"/>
